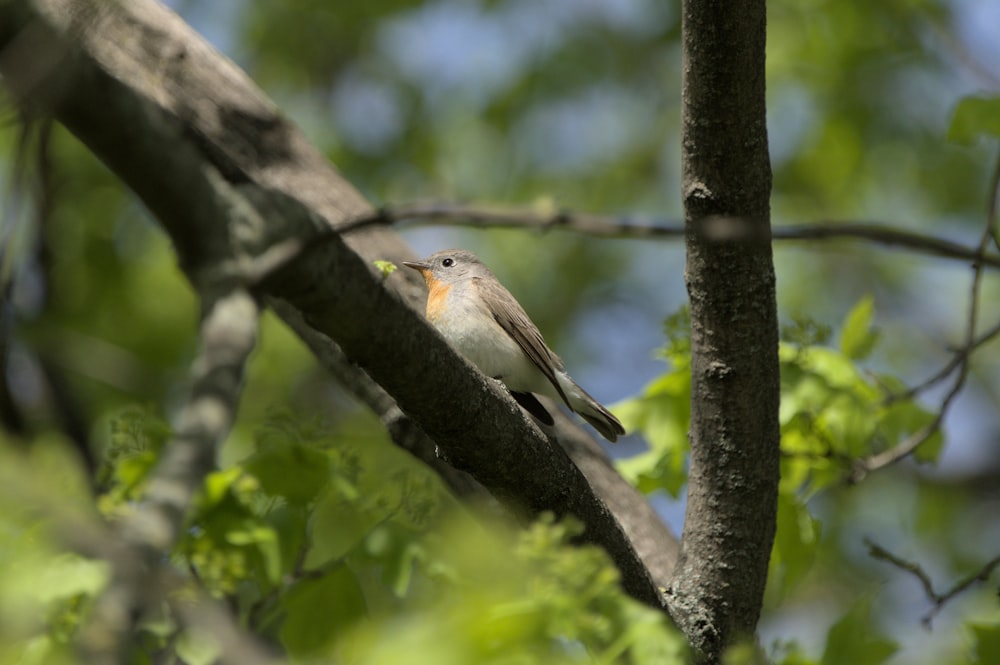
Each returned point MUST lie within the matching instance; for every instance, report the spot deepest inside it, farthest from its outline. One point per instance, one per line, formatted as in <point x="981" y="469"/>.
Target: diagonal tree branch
<point x="200" y="145"/>
<point x="404" y="432"/>
<point x="653" y="542"/>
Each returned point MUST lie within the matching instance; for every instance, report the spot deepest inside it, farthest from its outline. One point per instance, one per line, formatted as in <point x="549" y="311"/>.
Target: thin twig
<point x="992" y="210"/>
<point x="957" y="358"/>
<point x="962" y="356"/>
<point x="255" y="270"/>
<point x="633" y="227"/>
<point x="939" y="600"/>
<point x="964" y="56"/>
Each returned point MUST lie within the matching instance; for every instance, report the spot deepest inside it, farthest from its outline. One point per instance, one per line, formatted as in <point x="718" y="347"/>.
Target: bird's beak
<point x="417" y="265"/>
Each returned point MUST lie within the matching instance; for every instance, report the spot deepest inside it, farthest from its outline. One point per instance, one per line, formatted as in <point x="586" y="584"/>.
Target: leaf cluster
<point x="339" y="547"/>
<point x="834" y="414"/>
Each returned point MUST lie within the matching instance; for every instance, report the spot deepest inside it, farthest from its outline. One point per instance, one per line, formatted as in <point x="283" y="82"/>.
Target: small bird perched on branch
<point x="485" y="323"/>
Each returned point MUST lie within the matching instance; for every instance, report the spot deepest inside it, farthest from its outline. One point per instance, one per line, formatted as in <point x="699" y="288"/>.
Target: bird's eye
<point x="449" y="262"/>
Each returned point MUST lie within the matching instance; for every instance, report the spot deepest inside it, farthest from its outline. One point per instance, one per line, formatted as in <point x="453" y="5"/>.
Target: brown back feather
<point x="513" y="319"/>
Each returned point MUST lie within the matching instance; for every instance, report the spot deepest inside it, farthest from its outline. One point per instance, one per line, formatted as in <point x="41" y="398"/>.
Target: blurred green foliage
<point x="327" y="545"/>
<point x="333" y="544"/>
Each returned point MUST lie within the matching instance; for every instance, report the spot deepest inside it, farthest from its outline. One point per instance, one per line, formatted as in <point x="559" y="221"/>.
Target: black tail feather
<point x="531" y="404"/>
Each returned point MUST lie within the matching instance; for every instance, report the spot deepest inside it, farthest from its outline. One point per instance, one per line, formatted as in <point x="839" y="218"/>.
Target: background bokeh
<point x="576" y="103"/>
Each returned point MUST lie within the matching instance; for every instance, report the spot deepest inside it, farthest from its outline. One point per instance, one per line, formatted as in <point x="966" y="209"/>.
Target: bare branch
<point x="960" y="51"/>
<point x="959" y="356"/>
<point x="636" y="227"/>
<point x="939" y="600"/>
<point x="962" y="357"/>
<point x="228" y="334"/>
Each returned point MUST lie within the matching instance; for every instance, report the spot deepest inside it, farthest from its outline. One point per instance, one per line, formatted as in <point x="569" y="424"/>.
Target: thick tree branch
<point x="404" y="432"/>
<point x="649" y="535"/>
<point x="192" y="136"/>
<point x="718" y="584"/>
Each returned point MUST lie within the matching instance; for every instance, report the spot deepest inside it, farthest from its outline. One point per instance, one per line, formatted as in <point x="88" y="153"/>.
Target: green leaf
<point x="197" y="647"/>
<point x="795" y="544"/>
<point x="651" y="641"/>
<point x="854" y="639"/>
<point x="337" y="527"/>
<point x="662" y="414"/>
<point x="290" y="527"/>
<point x="905" y="418"/>
<point x="385" y="268"/>
<point x="742" y="653"/>
<point x="790" y="653"/>
<point x="291" y="470"/>
<point x="252" y="533"/>
<point x="68" y="574"/>
<point x="975" y="117"/>
<point x="857" y="339"/>
<point x="218" y="485"/>
<point x="677" y="330"/>
<point x="319" y="611"/>
<point x="827" y="405"/>
<point x="986" y="645"/>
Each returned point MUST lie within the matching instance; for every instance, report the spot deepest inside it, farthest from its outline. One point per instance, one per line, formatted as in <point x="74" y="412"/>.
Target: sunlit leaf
<point x="661" y="414"/>
<point x="196" y="647"/>
<point x="385" y="268"/>
<point x="857" y="339"/>
<point x="795" y="544"/>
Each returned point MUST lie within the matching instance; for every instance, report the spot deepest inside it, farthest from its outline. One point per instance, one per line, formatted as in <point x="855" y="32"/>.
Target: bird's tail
<point x="590" y="409"/>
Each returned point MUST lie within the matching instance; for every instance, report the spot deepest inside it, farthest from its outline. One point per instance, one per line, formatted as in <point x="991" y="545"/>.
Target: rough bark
<point x="199" y="144"/>
<point x="718" y="583"/>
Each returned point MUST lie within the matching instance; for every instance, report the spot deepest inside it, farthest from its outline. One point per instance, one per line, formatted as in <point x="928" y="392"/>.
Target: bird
<point x="480" y="318"/>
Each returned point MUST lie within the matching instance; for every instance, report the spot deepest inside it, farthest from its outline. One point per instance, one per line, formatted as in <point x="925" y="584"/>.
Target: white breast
<point x="474" y="333"/>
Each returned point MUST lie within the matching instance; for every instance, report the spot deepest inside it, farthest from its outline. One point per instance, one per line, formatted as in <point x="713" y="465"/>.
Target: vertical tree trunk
<point x="718" y="584"/>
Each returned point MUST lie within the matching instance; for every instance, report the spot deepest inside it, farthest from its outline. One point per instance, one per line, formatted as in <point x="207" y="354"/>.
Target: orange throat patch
<point x="436" y="297"/>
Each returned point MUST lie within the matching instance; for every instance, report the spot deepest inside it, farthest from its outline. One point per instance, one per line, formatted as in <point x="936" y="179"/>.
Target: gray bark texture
<point x="718" y="584"/>
<point x="235" y="183"/>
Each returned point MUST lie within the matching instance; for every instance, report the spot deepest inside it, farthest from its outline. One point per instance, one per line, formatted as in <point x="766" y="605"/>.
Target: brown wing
<point x="512" y="318"/>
